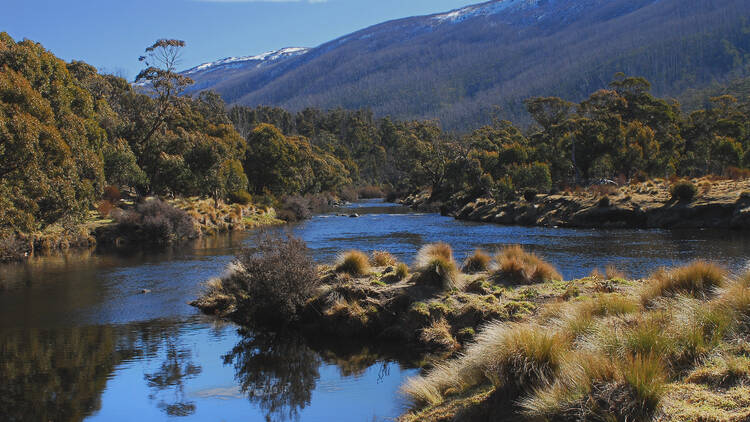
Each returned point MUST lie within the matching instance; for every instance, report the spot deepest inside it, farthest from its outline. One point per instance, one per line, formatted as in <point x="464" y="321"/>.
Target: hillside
<point x="457" y="66"/>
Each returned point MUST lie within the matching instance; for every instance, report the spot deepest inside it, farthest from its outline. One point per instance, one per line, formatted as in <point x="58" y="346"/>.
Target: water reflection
<point x="56" y="375"/>
<point x="276" y="371"/>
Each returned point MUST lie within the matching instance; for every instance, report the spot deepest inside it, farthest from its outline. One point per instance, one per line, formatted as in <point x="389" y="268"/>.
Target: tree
<point x="162" y="79"/>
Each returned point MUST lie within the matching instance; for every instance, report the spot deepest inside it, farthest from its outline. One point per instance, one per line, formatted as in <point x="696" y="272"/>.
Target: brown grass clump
<point x="382" y="259"/>
<point x="699" y="279"/>
<point x="402" y="271"/>
<point x="517" y="266"/>
<point x="354" y="263"/>
<point x="436" y="265"/>
<point x="612" y="273"/>
<point x="477" y="262"/>
<point x="438" y="333"/>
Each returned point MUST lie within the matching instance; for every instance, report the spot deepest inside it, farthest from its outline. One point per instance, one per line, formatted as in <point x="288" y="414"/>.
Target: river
<point x="79" y="340"/>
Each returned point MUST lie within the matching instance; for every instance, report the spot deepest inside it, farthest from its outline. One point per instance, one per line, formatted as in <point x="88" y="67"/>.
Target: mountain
<point x="457" y="66"/>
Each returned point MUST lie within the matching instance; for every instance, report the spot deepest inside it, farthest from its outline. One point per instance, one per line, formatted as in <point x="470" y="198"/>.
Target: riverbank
<point x="717" y="204"/>
<point x="505" y="338"/>
<point x="206" y="218"/>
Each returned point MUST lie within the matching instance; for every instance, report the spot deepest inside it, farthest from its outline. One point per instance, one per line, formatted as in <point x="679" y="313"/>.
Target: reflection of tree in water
<point x="56" y="375"/>
<point x="278" y="371"/>
<point x="171" y="375"/>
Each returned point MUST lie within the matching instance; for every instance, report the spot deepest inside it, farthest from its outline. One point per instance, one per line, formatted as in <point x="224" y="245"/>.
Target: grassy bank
<point x="503" y="337"/>
<point x="674" y="347"/>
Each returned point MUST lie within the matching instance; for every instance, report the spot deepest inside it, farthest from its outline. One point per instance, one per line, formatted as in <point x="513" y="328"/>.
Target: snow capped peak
<point x="484" y="9"/>
<point x="237" y="61"/>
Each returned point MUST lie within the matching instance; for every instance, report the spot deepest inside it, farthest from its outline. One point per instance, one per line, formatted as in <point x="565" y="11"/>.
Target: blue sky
<point x="111" y="34"/>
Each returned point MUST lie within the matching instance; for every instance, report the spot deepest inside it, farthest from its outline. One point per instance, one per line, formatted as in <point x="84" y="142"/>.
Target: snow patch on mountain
<point x="231" y="62"/>
<point x="484" y="9"/>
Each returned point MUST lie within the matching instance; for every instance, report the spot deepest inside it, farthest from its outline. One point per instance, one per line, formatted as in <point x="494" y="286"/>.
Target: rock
<point x="355" y="215"/>
<point x="145" y="291"/>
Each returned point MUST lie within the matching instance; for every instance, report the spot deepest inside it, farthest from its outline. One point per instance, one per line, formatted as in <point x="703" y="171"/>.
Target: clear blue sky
<point x="111" y="34"/>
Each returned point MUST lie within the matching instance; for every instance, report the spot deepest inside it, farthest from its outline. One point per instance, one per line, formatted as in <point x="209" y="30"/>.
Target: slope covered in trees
<point x="71" y="136"/>
<point x="458" y="66"/>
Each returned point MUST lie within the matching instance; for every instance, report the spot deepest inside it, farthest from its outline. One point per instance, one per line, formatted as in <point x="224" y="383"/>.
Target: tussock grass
<point x="402" y="271"/>
<point x="382" y="259"/>
<point x="436" y="265"/>
<point x="514" y="357"/>
<point x="439" y="333"/>
<point x="354" y="263"/>
<point x="517" y="266"/>
<point x="699" y="279"/>
<point x="478" y="262"/>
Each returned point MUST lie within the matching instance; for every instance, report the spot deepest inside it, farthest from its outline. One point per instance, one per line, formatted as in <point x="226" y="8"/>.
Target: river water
<point x="79" y="340"/>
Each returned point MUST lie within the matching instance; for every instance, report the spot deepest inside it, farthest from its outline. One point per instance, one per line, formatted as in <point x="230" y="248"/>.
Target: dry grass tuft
<point x="477" y="262"/>
<point x="517" y="266"/>
<point x="354" y="263"/>
<point x="438" y="333"/>
<point x="699" y="279"/>
<point x="436" y="265"/>
<point x="382" y="259"/>
<point x="402" y="271"/>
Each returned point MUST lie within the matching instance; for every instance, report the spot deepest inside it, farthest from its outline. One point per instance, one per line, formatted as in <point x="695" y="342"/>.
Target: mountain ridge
<point x="456" y="66"/>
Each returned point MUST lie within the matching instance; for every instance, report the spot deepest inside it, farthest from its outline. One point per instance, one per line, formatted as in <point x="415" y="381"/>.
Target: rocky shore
<point x="718" y="204"/>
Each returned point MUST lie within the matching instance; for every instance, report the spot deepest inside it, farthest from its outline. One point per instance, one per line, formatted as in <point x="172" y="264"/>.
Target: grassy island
<point x="505" y="338"/>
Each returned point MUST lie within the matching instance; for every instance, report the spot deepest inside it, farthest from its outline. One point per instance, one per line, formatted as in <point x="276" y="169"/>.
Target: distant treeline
<point x="69" y="134"/>
<point x="622" y="132"/>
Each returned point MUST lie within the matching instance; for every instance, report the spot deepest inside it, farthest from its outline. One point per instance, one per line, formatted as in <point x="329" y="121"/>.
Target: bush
<point x="111" y="194"/>
<point x="517" y="266"/>
<point x="12" y="248"/>
<point x="155" y="221"/>
<point x="294" y="208"/>
<point x="683" y="191"/>
<point x="698" y="279"/>
<point x="105" y="207"/>
<point x="533" y="176"/>
<point x="272" y="281"/>
<point x="477" y="262"/>
<point x="369" y="192"/>
<point x="349" y="193"/>
<point x="354" y="263"/>
<point x="503" y="189"/>
<point x="530" y="194"/>
<point x="240" y="197"/>
<point x="604" y="202"/>
<point x="383" y="259"/>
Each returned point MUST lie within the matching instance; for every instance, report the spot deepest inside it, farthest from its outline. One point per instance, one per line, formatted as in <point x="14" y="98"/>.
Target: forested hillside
<point x="458" y="66"/>
<point x="72" y="139"/>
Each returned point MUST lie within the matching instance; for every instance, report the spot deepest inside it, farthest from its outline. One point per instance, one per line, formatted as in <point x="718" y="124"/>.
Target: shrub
<point x="683" y="191"/>
<point x="354" y="263"/>
<point x="105" y="207"/>
<point x="533" y="176"/>
<point x="111" y="194"/>
<point x="294" y="208"/>
<point x="436" y="265"/>
<point x="698" y="279"/>
<point x="477" y="262"/>
<point x="383" y="259"/>
<point x="604" y="202"/>
<point x="369" y="192"/>
<point x="12" y="248"/>
<point x="517" y="266"/>
<point x="155" y="221"/>
<point x="240" y="197"/>
<point x="349" y="193"/>
<point x="530" y="194"/>
<point x="503" y="189"/>
<point x="272" y="281"/>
